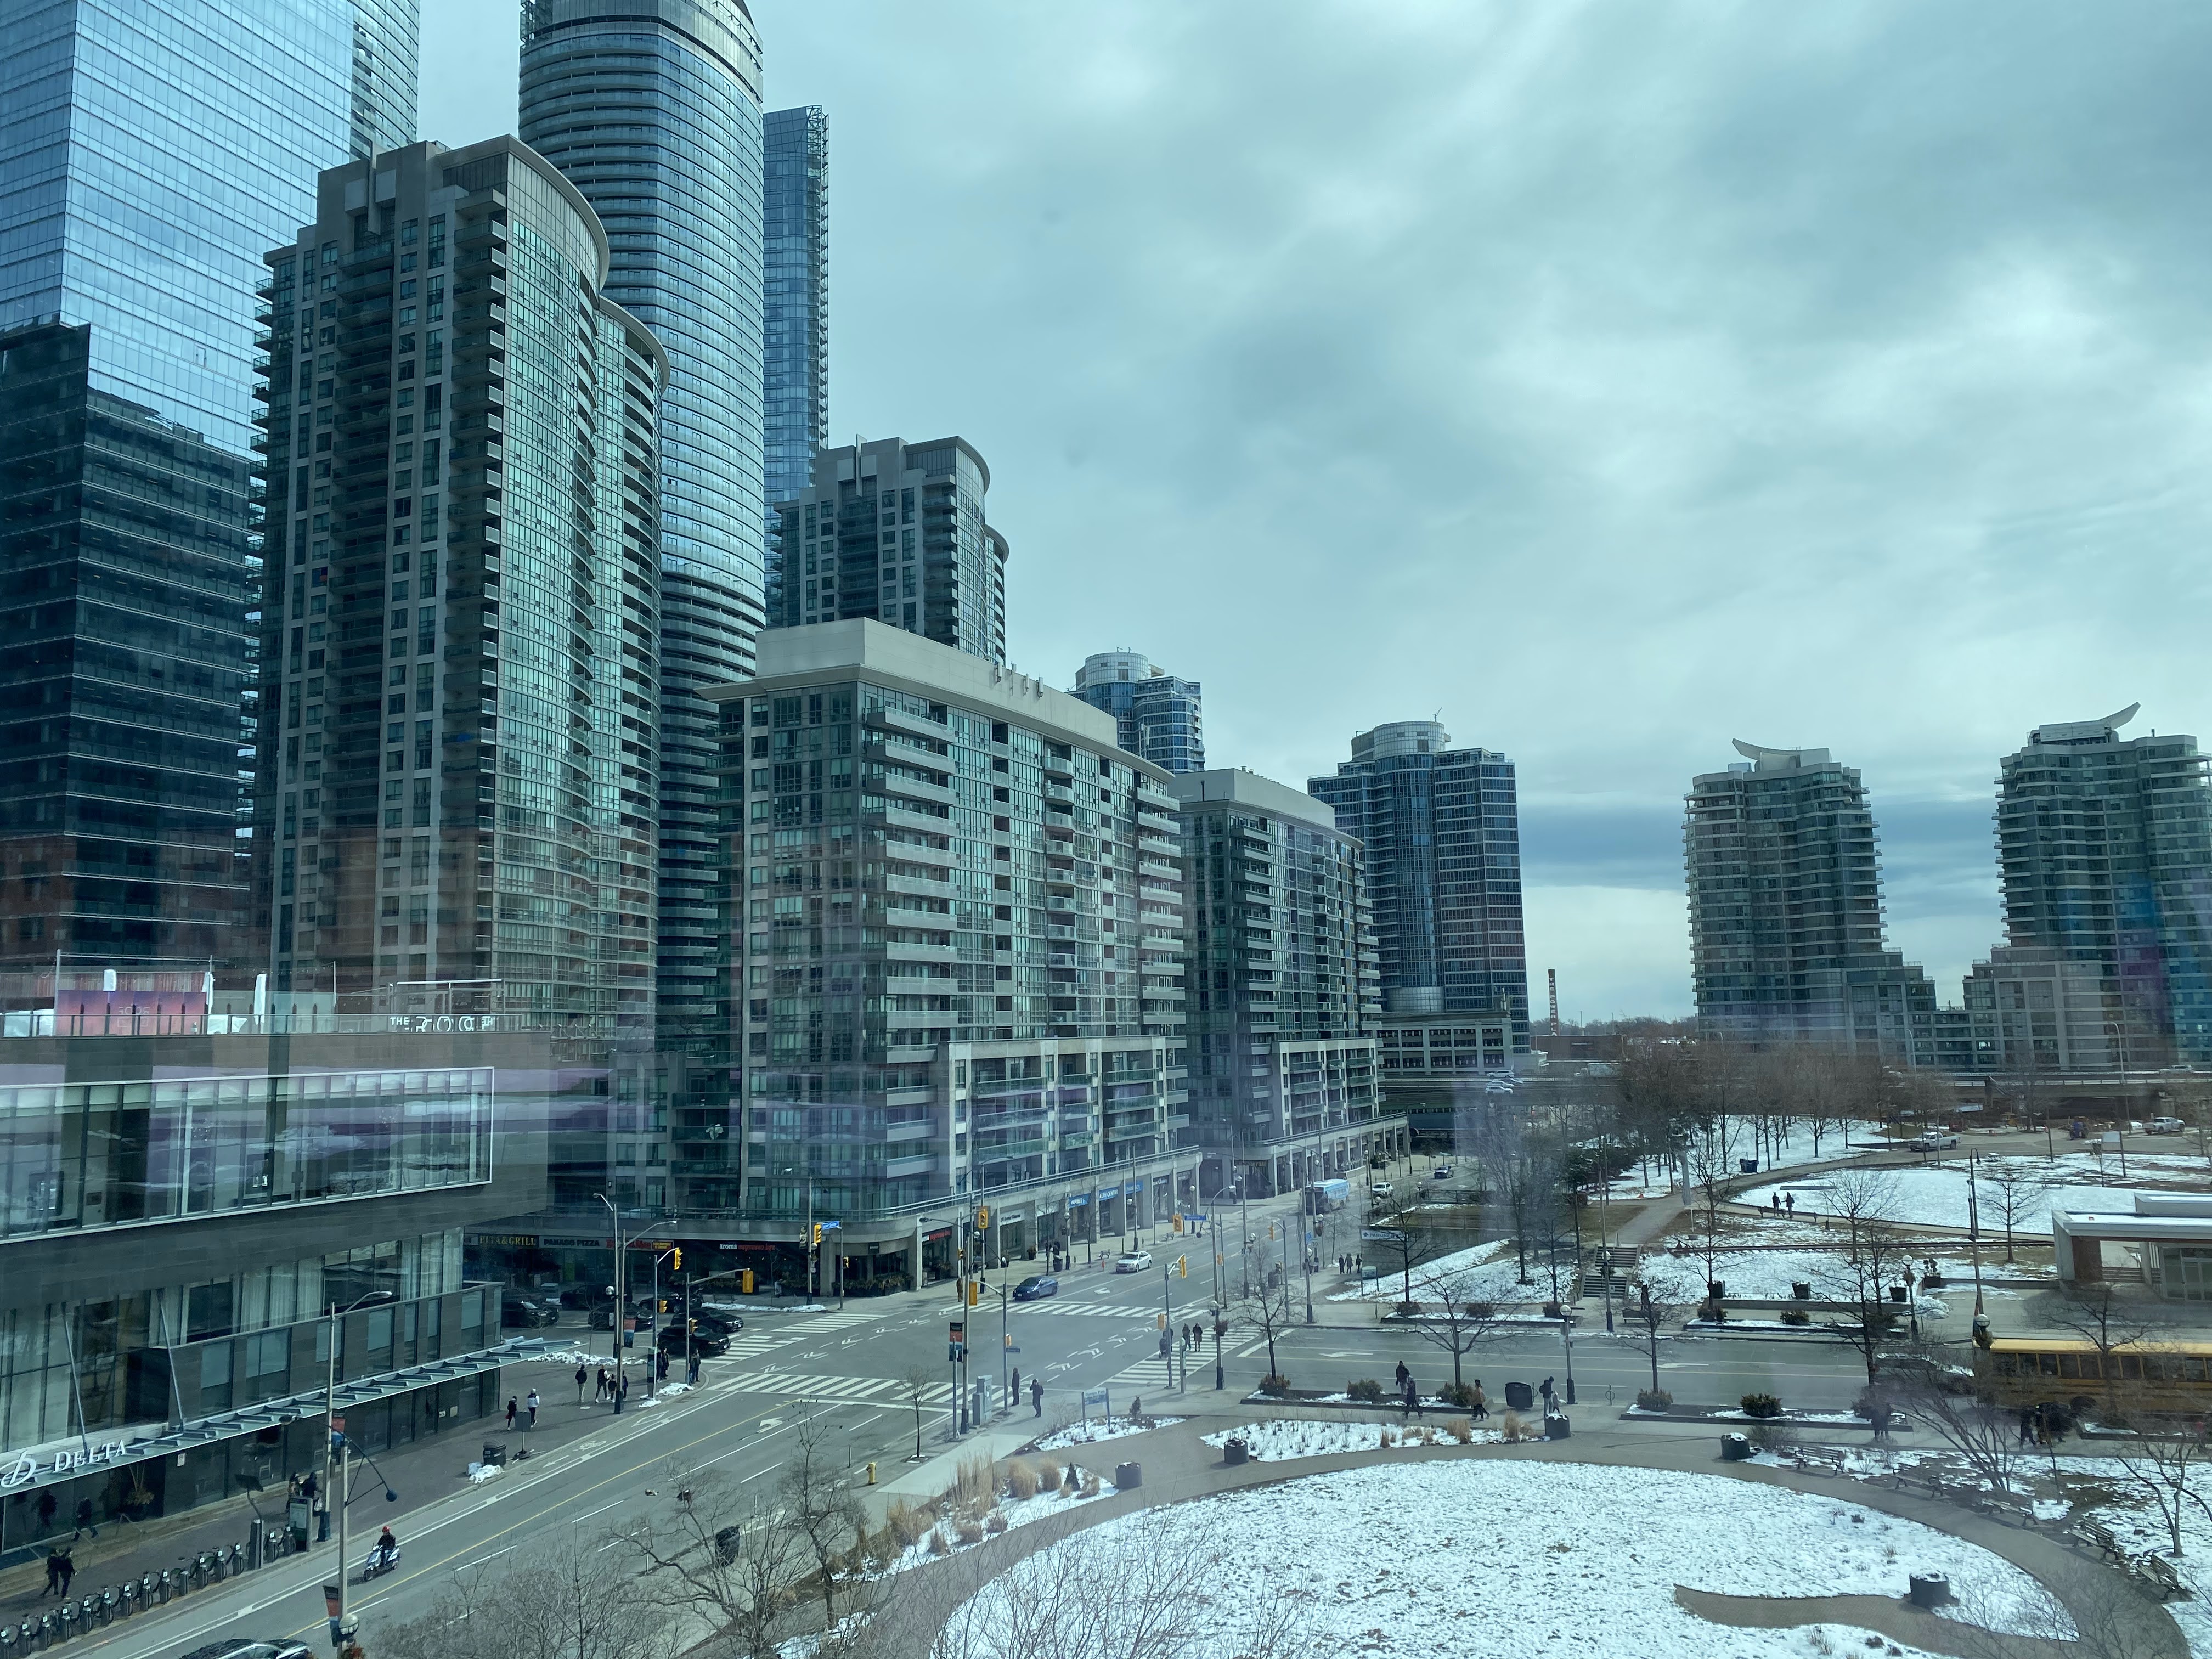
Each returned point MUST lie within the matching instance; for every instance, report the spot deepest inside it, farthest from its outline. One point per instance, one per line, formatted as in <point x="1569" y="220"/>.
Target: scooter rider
<point x="386" y="1551"/>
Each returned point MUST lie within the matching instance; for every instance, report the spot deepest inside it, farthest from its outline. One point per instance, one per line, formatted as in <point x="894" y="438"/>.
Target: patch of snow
<point x="1287" y="1437"/>
<point x="1077" y="1434"/>
<point x="1409" y="1548"/>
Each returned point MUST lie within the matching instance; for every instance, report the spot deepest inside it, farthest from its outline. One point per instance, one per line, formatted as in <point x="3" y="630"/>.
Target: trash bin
<point x="1127" y="1477"/>
<point x="1930" y="1589"/>
<point x="1557" y="1428"/>
<point x="1234" y="1452"/>
<point x="1734" y="1447"/>
<point x="1519" y="1396"/>
<point x="1802" y="1292"/>
<point x="1897" y="1292"/>
<point x="494" y="1454"/>
<point x="1747" y="1165"/>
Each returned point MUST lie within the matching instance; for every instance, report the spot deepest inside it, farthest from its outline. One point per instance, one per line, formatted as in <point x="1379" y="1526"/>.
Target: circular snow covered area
<point x="1508" y="1558"/>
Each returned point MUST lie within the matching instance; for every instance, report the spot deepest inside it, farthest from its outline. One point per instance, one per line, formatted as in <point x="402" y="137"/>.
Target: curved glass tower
<point x="652" y="109"/>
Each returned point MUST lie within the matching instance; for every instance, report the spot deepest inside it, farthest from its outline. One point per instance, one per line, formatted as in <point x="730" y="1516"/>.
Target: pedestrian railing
<point x="79" y="1615"/>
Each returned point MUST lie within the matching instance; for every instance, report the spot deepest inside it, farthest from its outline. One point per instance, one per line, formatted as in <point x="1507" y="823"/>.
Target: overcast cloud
<point x="1616" y="379"/>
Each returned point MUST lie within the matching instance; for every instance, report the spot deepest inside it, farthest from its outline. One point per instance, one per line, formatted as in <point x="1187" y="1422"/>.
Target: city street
<point x="846" y="1370"/>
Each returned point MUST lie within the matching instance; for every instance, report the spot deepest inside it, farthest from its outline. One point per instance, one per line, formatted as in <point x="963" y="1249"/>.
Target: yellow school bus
<point x="2031" y="1370"/>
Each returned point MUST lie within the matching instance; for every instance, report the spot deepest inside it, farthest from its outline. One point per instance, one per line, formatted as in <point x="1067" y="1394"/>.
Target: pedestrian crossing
<point x="1088" y="1309"/>
<point x="875" y="1390"/>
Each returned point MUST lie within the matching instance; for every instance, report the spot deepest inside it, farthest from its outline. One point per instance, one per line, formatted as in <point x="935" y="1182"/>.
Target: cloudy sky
<point x="1616" y="380"/>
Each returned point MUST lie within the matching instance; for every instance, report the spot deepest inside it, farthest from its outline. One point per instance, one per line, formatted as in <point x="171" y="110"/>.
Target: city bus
<point x="2034" y="1371"/>
<point x="1326" y="1197"/>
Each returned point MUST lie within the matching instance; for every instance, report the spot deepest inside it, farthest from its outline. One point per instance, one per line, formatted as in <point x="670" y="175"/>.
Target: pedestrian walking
<point x="53" y="1575"/>
<point x="2027" y="1425"/>
<point x="510" y="1413"/>
<point x="1545" y="1389"/>
<point x="621" y="1392"/>
<point x="602" y="1393"/>
<point x="69" y="1570"/>
<point x="84" y="1517"/>
<point x="1014" y="1388"/>
<point x="1481" y="1401"/>
<point x="1412" y="1400"/>
<point x="1037" y="1397"/>
<point x="1790" y="1202"/>
<point x="1402" y="1374"/>
<point x="582" y="1377"/>
<point x="530" y="1405"/>
<point x="691" y="1372"/>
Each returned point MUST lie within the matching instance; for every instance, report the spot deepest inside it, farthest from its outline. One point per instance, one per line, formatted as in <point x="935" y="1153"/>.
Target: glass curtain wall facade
<point x="2105" y="847"/>
<point x="129" y="549"/>
<point x="455" y="799"/>
<point x="1159" y="715"/>
<point x="652" y="110"/>
<point x="895" y="532"/>
<point x="1442" y="830"/>
<point x="150" y="152"/>
<point x="795" y="245"/>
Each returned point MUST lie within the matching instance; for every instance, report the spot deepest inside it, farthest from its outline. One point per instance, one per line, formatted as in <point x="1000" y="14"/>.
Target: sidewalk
<point x="420" y="1474"/>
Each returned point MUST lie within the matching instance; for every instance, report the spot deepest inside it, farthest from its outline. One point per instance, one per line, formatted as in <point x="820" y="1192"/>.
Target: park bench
<point x="2098" y="1536"/>
<point x="2158" y="1573"/>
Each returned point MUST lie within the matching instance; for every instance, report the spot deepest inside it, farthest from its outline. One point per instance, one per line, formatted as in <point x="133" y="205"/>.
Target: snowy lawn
<point x="1487" y="1273"/>
<point x="1766" y="1275"/>
<point x="1935" y="1196"/>
<point x="1516" y="1560"/>
<point x="2124" y="1505"/>
<point x="1284" y="1438"/>
<point x="1080" y="1434"/>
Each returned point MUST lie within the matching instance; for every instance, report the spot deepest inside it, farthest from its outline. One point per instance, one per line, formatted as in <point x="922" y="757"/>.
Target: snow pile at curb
<point x="1287" y="1437"/>
<point x="1075" y="1434"/>
<point x="1595" y="1555"/>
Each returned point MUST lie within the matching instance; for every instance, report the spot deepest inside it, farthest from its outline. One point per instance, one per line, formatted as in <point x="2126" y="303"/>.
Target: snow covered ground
<point x="1522" y="1559"/>
<point x="1285" y="1438"/>
<point x="1487" y="1273"/>
<point x="1080" y="1434"/>
<point x="1935" y="1196"/>
<point x="2137" y="1528"/>
<point x="1768" y="1275"/>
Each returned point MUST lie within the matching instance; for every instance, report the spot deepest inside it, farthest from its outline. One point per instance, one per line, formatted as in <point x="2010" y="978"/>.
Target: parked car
<point x="1037" y="1287"/>
<point x="1441" y="1172"/>
<point x="1380" y="1189"/>
<point x="2165" y="1125"/>
<point x="1133" y="1261"/>
<point x="1935" y="1140"/>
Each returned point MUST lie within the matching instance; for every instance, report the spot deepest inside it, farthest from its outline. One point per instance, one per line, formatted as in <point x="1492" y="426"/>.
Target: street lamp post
<point x="619" y="1286"/>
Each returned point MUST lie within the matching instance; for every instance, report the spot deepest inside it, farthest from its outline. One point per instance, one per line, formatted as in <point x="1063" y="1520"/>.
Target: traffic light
<point x="982" y="1217"/>
<point x="676" y="1258"/>
<point x="817" y="1235"/>
<point x="1182" y="1265"/>
<point x="975" y="1291"/>
<point x="1178" y="1222"/>
<point x="1159" y="1322"/>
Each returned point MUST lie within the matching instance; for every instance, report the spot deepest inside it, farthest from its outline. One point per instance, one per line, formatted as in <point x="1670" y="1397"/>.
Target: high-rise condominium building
<point x="454" y="808"/>
<point x="895" y="532"/>
<point x="1442" y="830"/>
<point x="652" y="109"/>
<point x="1280" y="984"/>
<point x="1158" y="714"/>
<point x="2105" y="846"/>
<point x="1786" y="917"/>
<point x="795" y="253"/>
<point x="150" y="152"/>
<point x="128" y="555"/>
<point x="956" y="916"/>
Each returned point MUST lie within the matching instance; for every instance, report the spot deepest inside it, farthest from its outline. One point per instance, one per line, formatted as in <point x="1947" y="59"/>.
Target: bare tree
<point x="1708" y="1164"/>
<point x="917" y="1380"/>
<point x="1984" y="1434"/>
<point x="1649" y="1317"/>
<point x="2014" y="1192"/>
<point x="569" y="1599"/>
<point x="1461" y="1323"/>
<point x="2084" y="1610"/>
<point x="1869" y="1252"/>
<point x="2094" y="1313"/>
<point x="734" y="1560"/>
<point x="820" y="1507"/>
<point x="1268" y="1307"/>
<point x="2166" y="1460"/>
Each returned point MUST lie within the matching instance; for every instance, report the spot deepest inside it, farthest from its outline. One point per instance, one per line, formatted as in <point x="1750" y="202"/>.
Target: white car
<point x="1441" y="1172"/>
<point x="1133" y="1261"/>
<point x="1936" y="1140"/>
<point x="2165" y="1125"/>
<point x="1380" y="1189"/>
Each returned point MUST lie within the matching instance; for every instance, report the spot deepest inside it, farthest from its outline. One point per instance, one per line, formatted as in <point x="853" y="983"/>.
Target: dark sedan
<point x="1037" y="1287"/>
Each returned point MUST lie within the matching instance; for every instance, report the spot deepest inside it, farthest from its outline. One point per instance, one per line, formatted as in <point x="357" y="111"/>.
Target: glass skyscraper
<point x="1160" y="716"/>
<point x="652" y="109"/>
<point x="796" y="250"/>
<point x="1442" y="829"/>
<point x="152" y="150"/>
